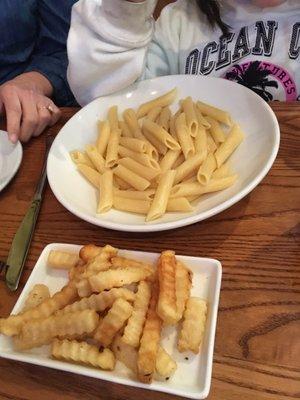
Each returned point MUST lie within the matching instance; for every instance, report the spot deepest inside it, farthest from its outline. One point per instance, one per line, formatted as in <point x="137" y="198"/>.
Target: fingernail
<point x="13" y="138"/>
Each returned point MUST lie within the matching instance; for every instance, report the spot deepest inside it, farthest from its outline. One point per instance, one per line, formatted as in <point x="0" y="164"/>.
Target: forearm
<point x="107" y="45"/>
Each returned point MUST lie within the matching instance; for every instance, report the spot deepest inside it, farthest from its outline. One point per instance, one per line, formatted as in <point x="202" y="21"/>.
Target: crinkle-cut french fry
<point x="36" y="296"/>
<point x="150" y="340"/>
<point x="122" y="262"/>
<point x="62" y="259"/>
<point x="83" y="286"/>
<point x="166" y="306"/>
<point x="102" y="261"/>
<point x="76" y="271"/>
<point x="88" y="252"/>
<point x="99" y="302"/>
<point x="165" y="365"/>
<point x="41" y="331"/>
<point x="97" y="265"/>
<point x="84" y="353"/>
<point x="193" y="325"/>
<point x="135" y="324"/>
<point x="125" y="353"/>
<point x="82" y="337"/>
<point x="87" y="337"/>
<point x="12" y="325"/>
<point x="183" y="284"/>
<point x="117" y="277"/>
<point x="114" y="320"/>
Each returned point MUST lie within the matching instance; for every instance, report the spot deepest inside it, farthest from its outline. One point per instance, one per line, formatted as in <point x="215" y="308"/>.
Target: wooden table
<point x="257" y="350"/>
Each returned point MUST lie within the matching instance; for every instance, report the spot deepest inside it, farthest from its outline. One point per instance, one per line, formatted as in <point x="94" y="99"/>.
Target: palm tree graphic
<point x="254" y="78"/>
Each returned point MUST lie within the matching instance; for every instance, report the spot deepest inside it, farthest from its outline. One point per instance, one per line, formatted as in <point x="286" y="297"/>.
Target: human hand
<point x="25" y="102"/>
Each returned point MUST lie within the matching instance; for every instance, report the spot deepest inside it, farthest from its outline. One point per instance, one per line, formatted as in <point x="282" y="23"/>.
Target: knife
<point x="22" y="239"/>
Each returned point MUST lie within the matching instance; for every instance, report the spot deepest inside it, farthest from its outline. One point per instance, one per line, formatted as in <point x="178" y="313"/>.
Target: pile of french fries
<point x="112" y="308"/>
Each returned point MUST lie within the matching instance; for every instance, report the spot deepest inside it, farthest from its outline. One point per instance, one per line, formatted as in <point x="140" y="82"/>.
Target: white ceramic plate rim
<point x="19" y="156"/>
<point x="94" y="373"/>
<point x="186" y="220"/>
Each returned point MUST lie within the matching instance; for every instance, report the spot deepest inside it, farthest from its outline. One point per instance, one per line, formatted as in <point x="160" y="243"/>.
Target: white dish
<point x="252" y="160"/>
<point x="192" y="378"/>
<point x="10" y="159"/>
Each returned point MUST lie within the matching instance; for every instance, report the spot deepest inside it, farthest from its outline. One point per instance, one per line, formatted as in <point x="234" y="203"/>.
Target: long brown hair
<point x="211" y="8"/>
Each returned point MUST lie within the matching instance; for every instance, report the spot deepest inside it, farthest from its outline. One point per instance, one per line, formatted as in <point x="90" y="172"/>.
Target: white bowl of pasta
<point x="155" y="165"/>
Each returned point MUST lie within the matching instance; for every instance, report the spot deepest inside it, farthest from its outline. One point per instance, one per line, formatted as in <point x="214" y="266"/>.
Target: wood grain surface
<point x="257" y="350"/>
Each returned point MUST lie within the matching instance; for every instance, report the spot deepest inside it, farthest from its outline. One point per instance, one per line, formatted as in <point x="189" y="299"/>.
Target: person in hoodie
<point x="33" y="64"/>
<point x="113" y="43"/>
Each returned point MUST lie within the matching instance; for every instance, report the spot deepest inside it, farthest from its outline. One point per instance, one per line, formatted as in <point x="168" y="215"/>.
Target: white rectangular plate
<point x="193" y="375"/>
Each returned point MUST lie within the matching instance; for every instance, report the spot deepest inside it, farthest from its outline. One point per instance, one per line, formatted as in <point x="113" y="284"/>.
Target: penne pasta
<point x="179" y="204"/>
<point x="184" y="136"/>
<point x="125" y="131"/>
<point x="188" y="166"/>
<point x="233" y="140"/>
<point x="161" y="197"/>
<point x="159" y="146"/>
<point x="112" y="117"/>
<point x="134" y="194"/>
<point x="201" y="119"/>
<point x="216" y="113"/>
<point x="191" y="116"/>
<point x="90" y="174"/>
<point x="112" y="149"/>
<point x="131" y="177"/>
<point x="79" y="157"/>
<point x="139" y="169"/>
<point x="152" y="152"/>
<point x="103" y="136"/>
<point x="221" y="172"/>
<point x="201" y="140"/>
<point x="192" y="198"/>
<point x="133" y="124"/>
<point x="164" y="118"/>
<point x="131" y="205"/>
<point x="172" y="127"/>
<point x="144" y="159"/>
<point x="154" y="113"/>
<point x="130" y="118"/>
<point x="195" y="189"/>
<point x="190" y="178"/>
<point x="162" y="101"/>
<point x="96" y="158"/>
<point x="179" y="161"/>
<point x="119" y="183"/>
<point x="206" y="170"/>
<point x="161" y="134"/>
<point x="161" y="163"/>
<point x="168" y="160"/>
<point x="106" y="192"/>
<point x="216" y="131"/>
<point x="211" y="145"/>
<point x="138" y="145"/>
